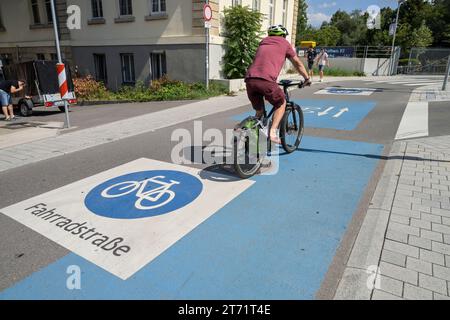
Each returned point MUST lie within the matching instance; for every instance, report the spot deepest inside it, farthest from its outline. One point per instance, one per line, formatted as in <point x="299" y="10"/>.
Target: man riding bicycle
<point x="261" y="78"/>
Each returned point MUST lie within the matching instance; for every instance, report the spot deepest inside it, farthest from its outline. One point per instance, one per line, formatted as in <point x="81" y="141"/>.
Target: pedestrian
<point x="311" y="57"/>
<point x="322" y="61"/>
<point x="7" y="88"/>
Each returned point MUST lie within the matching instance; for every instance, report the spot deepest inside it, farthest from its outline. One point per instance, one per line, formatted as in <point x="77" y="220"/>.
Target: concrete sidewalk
<point x="404" y="242"/>
<point x="27" y="153"/>
<point x="403" y="247"/>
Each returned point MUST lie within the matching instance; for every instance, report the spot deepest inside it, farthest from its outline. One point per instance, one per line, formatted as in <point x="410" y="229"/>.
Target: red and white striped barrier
<point x="62" y="80"/>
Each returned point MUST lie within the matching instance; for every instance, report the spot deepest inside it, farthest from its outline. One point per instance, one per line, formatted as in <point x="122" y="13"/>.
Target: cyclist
<point x="261" y="78"/>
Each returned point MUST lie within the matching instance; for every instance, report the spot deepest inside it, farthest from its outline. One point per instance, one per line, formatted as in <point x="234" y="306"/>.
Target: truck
<point x="42" y="85"/>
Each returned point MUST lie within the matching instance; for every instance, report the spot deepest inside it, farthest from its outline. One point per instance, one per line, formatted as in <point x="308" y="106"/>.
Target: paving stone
<point x="419" y="242"/>
<point x="431" y="217"/>
<point x="398" y="227"/>
<point x="432" y="283"/>
<point x="440" y="228"/>
<point x="433" y="257"/>
<point x="404" y="220"/>
<point x="406" y="212"/>
<point x="416" y="293"/>
<point x="381" y="295"/>
<point x="421" y="208"/>
<point x="395" y="258"/>
<point x="397" y="236"/>
<point x="441" y="272"/>
<point x="419" y="265"/>
<point x="422" y="224"/>
<point x="437" y="296"/>
<point x="420" y="195"/>
<point x="402" y="248"/>
<point x="431" y="235"/>
<point x="398" y="273"/>
<point x="390" y="285"/>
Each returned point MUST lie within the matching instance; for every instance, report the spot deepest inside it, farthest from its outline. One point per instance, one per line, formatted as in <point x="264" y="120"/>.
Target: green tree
<point x="302" y="20"/>
<point x="242" y="37"/>
<point x="327" y="36"/>
<point x="421" y="37"/>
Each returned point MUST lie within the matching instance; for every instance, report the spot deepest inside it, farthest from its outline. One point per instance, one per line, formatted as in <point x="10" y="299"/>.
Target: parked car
<point x="41" y="85"/>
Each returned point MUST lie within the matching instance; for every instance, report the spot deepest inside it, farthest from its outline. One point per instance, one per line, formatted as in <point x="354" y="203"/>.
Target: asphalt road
<point x="358" y="148"/>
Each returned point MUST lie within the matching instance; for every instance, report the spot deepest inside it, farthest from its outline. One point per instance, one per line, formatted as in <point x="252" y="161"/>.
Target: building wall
<point x="180" y="34"/>
<point x="182" y="61"/>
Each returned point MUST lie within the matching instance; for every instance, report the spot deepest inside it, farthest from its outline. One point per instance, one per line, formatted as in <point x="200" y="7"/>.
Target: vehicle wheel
<point x="247" y="151"/>
<point x="291" y="128"/>
<point x="26" y="108"/>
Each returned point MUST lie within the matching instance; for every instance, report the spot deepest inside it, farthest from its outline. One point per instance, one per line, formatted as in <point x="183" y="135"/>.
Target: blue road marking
<point x="143" y="194"/>
<point x="274" y="241"/>
<point x="329" y="114"/>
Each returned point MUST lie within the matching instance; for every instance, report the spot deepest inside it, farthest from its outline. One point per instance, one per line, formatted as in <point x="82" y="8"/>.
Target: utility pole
<point x="60" y="63"/>
<point x="400" y="2"/>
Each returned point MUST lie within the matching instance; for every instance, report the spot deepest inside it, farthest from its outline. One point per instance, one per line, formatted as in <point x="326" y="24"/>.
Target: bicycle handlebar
<point x="290" y="83"/>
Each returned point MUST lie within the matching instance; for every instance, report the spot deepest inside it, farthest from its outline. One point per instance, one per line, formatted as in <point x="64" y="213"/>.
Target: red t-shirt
<point x="270" y="58"/>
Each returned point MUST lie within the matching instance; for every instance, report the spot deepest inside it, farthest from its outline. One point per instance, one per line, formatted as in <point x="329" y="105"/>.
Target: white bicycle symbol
<point x="154" y="195"/>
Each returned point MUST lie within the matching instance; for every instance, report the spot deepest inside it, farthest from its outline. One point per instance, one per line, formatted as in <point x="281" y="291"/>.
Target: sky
<point x="322" y="10"/>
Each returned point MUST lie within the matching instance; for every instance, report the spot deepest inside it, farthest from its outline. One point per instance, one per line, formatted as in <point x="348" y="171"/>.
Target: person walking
<point x="311" y="57"/>
<point x="7" y="88"/>
<point x="323" y="61"/>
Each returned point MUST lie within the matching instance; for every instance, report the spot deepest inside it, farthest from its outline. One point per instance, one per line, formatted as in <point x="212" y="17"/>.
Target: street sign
<point x="392" y="28"/>
<point x="207" y="25"/>
<point x="207" y="12"/>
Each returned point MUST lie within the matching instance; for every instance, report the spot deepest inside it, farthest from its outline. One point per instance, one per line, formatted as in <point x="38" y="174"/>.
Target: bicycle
<point x="120" y="189"/>
<point x="250" y="149"/>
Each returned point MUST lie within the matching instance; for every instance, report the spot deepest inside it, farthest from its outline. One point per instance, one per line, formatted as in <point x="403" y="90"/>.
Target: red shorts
<point x="258" y="89"/>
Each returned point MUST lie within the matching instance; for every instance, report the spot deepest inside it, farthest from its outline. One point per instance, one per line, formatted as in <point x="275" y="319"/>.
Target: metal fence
<point x="429" y="61"/>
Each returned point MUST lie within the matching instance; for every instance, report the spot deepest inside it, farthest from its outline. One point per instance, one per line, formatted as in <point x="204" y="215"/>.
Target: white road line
<point x="421" y="84"/>
<point x="414" y="123"/>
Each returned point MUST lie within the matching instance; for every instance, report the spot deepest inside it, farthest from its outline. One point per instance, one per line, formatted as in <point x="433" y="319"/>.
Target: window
<point x="237" y="3"/>
<point x="128" y="74"/>
<point x="40" y="56"/>
<point x="53" y="56"/>
<point x="256" y="5"/>
<point x="158" y="6"/>
<point x="285" y="9"/>
<point x="35" y="11"/>
<point x="100" y="68"/>
<point x="271" y="12"/>
<point x="125" y="7"/>
<point x="158" y="65"/>
<point x="48" y="11"/>
<point x="97" y="8"/>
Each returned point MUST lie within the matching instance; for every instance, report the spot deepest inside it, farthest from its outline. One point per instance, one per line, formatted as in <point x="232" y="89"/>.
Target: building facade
<point x="124" y="41"/>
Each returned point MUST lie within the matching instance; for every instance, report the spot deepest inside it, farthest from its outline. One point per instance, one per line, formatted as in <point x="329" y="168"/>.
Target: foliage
<point x="89" y="88"/>
<point x="159" y="90"/>
<point x="242" y="37"/>
<point x="422" y="23"/>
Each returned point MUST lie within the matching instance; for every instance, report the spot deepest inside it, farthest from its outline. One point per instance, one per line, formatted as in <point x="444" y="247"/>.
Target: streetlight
<point x="400" y="2"/>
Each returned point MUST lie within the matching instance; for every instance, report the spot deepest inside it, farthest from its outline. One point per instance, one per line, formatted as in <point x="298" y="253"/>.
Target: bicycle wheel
<point x="247" y="157"/>
<point x="291" y="128"/>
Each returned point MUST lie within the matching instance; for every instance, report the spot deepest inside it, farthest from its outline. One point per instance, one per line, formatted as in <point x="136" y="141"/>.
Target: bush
<point x="159" y="90"/>
<point x="87" y="88"/>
